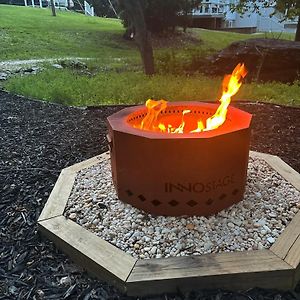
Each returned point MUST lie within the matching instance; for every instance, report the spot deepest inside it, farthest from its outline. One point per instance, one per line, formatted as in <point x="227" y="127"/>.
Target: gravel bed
<point x="270" y="202"/>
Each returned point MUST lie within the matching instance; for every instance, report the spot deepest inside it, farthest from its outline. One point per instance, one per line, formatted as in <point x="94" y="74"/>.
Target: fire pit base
<point x="273" y="268"/>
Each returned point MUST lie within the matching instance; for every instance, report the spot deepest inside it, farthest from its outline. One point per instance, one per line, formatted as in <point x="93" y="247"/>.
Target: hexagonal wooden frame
<point x="277" y="267"/>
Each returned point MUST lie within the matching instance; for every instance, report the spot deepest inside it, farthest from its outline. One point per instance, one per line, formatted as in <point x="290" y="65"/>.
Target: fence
<point x="88" y="9"/>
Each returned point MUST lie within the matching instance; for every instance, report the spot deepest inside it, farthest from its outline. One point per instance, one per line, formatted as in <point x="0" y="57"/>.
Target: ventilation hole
<point x="222" y="196"/>
<point x="235" y="192"/>
<point x="142" y="198"/>
<point x="129" y="192"/>
<point x="191" y="203"/>
<point x="209" y="201"/>
<point x="155" y="202"/>
<point x="173" y="203"/>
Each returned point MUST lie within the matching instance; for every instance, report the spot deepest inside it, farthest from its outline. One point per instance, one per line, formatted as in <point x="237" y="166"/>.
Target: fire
<point x="230" y="86"/>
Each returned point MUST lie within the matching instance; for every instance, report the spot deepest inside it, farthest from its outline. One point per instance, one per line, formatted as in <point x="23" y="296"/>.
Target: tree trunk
<point x="143" y="37"/>
<point x="53" y="8"/>
<point x="297" y="36"/>
<point x="146" y="52"/>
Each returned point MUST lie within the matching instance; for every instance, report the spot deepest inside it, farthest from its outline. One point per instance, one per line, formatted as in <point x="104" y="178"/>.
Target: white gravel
<point x="269" y="204"/>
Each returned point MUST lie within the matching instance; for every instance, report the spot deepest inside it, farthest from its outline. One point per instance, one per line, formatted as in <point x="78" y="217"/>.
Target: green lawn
<point x="63" y="86"/>
<point x="28" y="32"/>
<point x="116" y="70"/>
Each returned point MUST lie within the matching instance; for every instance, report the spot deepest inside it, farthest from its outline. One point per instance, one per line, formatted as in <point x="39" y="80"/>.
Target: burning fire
<point x="230" y="86"/>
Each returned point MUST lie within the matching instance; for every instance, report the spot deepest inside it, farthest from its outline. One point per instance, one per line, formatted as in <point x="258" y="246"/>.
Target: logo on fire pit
<point x="199" y="187"/>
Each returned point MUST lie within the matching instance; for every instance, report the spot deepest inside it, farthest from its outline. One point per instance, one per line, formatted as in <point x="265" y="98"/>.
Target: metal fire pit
<point x="180" y="174"/>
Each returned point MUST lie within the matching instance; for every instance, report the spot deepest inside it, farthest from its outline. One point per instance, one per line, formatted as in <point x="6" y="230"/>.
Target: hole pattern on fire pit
<point x="142" y="198"/>
<point x="235" y="191"/>
<point x="173" y="203"/>
<point x="209" y="201"/>
<point x="140" y="115"/>
<point x="191" y="203"/>
<point x="156" y="202"/>
<point x="135" y="117"/>
<point x="129" y="192"/>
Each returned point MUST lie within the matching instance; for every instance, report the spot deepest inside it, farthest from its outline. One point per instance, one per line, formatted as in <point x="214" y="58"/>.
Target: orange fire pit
<point x="179" y="174"/>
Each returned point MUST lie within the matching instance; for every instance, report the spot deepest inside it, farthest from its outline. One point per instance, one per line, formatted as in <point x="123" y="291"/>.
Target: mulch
<point x="37" y="140"/>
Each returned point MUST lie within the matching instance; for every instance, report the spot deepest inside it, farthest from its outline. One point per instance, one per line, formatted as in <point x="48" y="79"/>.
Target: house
<point x="216" y="14"/>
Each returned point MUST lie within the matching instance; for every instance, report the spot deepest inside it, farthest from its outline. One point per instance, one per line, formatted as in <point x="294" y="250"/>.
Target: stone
<point x="230" y="224"/>
<point x="190" y="226"/>
<point x="65" y="280"/>
<point x="3" y="76"/>
<point x="72" y="216"/>
<point x="57" y="66"/>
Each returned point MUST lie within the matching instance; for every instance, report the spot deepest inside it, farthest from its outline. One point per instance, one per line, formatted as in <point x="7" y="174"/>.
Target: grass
<point x="69" y="88"/>
<point x="33" y="33"/>
<point x="28" y="33"/>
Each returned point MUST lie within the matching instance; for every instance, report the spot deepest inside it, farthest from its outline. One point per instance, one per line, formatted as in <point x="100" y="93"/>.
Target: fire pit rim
<point x="119" y="122"/>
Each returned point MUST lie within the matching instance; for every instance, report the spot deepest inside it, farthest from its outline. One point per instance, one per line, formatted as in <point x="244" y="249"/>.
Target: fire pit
<point x="186" y="174"/>
<point x="166" y="162"/>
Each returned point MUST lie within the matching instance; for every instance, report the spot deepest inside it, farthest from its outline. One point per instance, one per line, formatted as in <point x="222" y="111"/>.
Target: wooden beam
<point x="287" y="172"/>
<point x="59" y="196"/>
<point x="287" y="238"/>
<point x="293" y="259"/>
<point x="97" y="256"/>
<point x="89" y="162"/>
<point x="237" y="270"/>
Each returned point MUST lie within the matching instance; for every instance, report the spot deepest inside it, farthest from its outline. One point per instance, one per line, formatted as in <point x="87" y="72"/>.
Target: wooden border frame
<point x="277" y="267"/>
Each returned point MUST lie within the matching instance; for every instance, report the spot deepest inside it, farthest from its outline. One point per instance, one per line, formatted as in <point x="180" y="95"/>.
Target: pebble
<point x="190" y="226"/>
<point x="254" y="223"/>
<point x="153" y="250"/>
<point x="230" y="224"/>
<point x="72" y="216"/>
<point x="65" y="280"/>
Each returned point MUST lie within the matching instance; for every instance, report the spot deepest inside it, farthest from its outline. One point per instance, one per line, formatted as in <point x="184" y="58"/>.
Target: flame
<point x="230" y="86"/>
<point x="153" y="110"/>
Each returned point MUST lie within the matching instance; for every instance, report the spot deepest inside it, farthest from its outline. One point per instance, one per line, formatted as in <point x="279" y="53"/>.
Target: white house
<point x="216" y="14"/>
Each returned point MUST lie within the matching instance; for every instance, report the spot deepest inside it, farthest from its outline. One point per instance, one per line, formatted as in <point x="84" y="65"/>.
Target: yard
<point x="40" y="138"/>
<point x="114" y="74"/>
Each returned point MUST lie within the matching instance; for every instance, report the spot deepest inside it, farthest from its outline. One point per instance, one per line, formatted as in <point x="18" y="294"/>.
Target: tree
<point x="164" y="15"/>
<point x="53" y="8"/>
<point x="135" y="18"/>
<point x="289" y="9"/>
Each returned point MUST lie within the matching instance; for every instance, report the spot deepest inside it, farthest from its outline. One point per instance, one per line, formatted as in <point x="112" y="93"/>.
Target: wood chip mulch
<point x="37" y="140"/>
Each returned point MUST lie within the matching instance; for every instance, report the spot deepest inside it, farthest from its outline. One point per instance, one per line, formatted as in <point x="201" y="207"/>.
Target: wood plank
<point x="293" y="256"/>
<point x="88" y="250"/>
<point x="293" y="259"/>
<point x="287" y="238"/>
<point x="281" y="167"/>
<point x="58" y="198"/>
<point x="238" y="270"/>
<point x="89" y="162"/>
